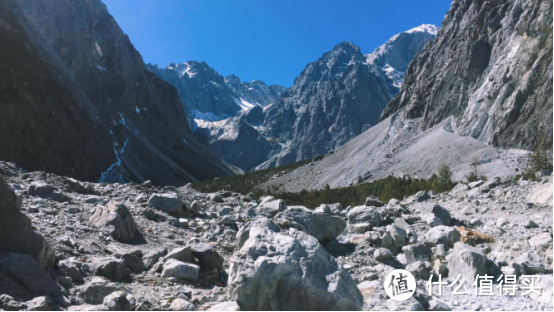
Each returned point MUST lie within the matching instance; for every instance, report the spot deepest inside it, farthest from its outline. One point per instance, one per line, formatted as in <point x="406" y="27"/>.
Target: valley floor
<point x="188" y="250"/>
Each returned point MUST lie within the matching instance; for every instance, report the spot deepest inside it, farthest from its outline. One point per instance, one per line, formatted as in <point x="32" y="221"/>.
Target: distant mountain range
<point x="333" y="100"/>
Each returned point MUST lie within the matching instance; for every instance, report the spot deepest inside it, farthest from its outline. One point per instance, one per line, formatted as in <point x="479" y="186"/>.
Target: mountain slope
<point x="90" y="110"/>
<point x="491" y="68"/>
<point x="485" y="80"/>
<point x="339" y="96"/>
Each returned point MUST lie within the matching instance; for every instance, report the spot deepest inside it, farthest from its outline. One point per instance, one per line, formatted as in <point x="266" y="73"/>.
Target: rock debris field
<point x="71" y="245"/>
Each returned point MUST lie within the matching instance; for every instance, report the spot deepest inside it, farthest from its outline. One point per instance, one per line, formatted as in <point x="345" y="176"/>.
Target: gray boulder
<point x="24" y="269"/>
<point x="289" y="271"/>
<point x="46" y="191"/>
<point x="541" y="241"/>
<point x="96" y="290"/>
<point x="323" y="226"/>
<point x="398" y="235"/>
<point x="420" y="269"/>
<point x="110" y="268"/>
<point x="373" y="201"/>
<point x="258" y="222"/>
<point x="16" y="233"/>
<point x="207" y="256"/>
<point x="181" y="305"/>
<point x="466" y="261"/>
<point x="269" y="206"/>
<point x="417" y="252"/>
<point x="442" y="214"/>
<point x="225" y="306"/>
<point x="41" y="303"/>
<point x="116" y="301"/>
<point x="531" y="262"/>
<point x="117" y="218"/>
<point x="442" y="235"/>
<point x="182" y="270"/>
<point x="362" y="214"/>
<point x="169" y="203"/>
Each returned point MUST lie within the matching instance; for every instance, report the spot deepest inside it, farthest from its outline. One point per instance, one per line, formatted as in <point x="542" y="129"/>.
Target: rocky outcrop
<point x="16" y="233"/>
<point x="92" y="111"/>
<point x="117" y="218"/>
<point x="272" y="266"/>
<point x="490" y="67"/>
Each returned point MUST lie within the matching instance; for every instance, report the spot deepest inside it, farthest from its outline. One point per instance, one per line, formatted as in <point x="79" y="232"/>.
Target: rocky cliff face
<point x="490" y="67"/>
<point x="395" y="55"/>
<point x="78" y="101"/>
<point x="203" y="91"/>
<point x="256" y="92"/>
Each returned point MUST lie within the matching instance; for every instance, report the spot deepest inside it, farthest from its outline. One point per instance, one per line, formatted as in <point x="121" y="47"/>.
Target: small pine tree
<point x="444" y="180"/>
<point x="541" y="158"/>
<point x="474" y="174"/>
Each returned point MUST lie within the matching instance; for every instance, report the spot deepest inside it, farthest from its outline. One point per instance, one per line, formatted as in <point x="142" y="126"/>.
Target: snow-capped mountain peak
<point x="427" y="28"/>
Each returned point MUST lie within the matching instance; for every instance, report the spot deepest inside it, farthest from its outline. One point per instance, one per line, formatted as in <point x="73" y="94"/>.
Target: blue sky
<point x="260" y="39"/>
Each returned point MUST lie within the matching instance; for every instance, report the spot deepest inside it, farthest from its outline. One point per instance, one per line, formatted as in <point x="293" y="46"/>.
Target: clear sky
<point x="269" y="40"/>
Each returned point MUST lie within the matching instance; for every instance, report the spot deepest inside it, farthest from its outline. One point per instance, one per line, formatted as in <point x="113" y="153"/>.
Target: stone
<point x="116" y="301"/>
<point x="178" y="269"/>
<point x="442" y="235"/>
<point x="361" y="214"/>
<point x="421" y="196"/>
<point x="398" y="235"/>
<point x="269" y="206"/>
<point x="531" y="262"/>
<point x="133" y="262"/>
<point x="541" y="241"/>
<point x="290" y="270"/>
<point x="117" y="218"/>
<point x="41" y="303"/>
<point x="475" y="184"/>
<point x="417" y="252"/>
<point x="323" y="208"/>
<point x="225" y="306"/>
<point x="111" y="268"/>
<point x="207" y="256"/>
<point x="244" y="232"/>
<point x="545" y="282"/>
<point x="71" y="268"/>
<point x="75" y="186"/>
<point x="181" y="305"/>
<point x="542" y="196"/>
<point x="46" y="191"/>
<point x="460" y="190"/>
<point x="216" y="198"/>
<point x="323" y="226"/>
<point x="16" y="233"/>
<point x="183" y="254"/>
<point x="195" y="208"/>
<point x="96" y="290"/>
<point x="438" y="305"/>
<point x="169" y="203"/>
<point x="420" y="269"/>
<point x="223" y="211"/>
<point x="466" y="261"/>
<point x="373" y="201"/>
<point x="382" y="254"/>
<point x="27" y="271"/>
<point x="442" y="214"/>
